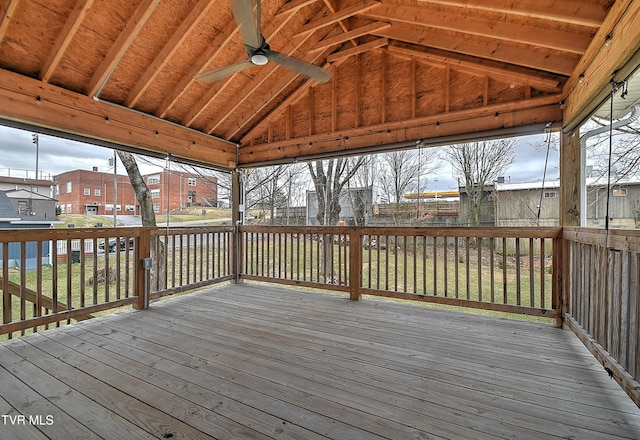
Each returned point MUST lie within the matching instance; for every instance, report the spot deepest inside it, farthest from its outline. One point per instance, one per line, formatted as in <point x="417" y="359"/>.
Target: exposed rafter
<point x="500" y="71"/>
<point x="378" y="42"/>
<point x="7" y="13"/>
<point x="64" y="39"/>
<point x="167" y="51"/>
<point x="354" y="33"/>
<point x="228" y="33"/>
<point x="338" y="16"/>
<point x="129" y="33"/>
<point x="561" y="40"/>
<point x="565" y="11"/>
<point x="487" y="48"/>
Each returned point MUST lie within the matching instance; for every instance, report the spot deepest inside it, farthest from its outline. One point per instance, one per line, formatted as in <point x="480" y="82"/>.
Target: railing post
<point x="558" y="300"/>
<point x="355" y="263"/>
<point x="236" y="247"/>
<point x="143" y="251"/>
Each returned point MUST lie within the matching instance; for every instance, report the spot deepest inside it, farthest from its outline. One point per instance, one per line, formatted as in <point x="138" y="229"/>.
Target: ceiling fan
<point x="258" y="49"/>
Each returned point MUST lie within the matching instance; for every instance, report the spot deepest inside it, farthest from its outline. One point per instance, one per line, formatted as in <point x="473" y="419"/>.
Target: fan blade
<point x="299" y="66"/>
<point x="214" y="75"/>
<point x="243" y="14"/>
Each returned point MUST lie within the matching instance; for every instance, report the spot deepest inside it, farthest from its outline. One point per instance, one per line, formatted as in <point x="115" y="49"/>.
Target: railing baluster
<point x="456" y="266"/>
<point x="518" y="285"/>
<point x="492" y="268"/>
<point x="532" y="277"/>
<point x="479" y="241"/>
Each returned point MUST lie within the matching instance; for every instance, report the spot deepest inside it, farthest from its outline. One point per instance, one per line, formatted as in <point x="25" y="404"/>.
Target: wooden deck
<point x="249" y="361"/>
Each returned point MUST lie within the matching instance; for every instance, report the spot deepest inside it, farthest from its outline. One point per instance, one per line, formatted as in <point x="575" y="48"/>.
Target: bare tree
<point x="400" y="171"/>
<point x="264" y="190"/>
<point x="329" y="179"/>
<point x="148" y="216"/>
<point x="625" y="151"/>
<point x="478" y="164"/>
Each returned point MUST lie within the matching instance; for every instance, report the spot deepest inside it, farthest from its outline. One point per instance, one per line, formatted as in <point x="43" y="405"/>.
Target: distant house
<point x="516" y="204"/>
<point x="355" y="207"/>
<point x="34" y="205"/>
<point x="10" y="219"/>
<point x="40" y="186"/>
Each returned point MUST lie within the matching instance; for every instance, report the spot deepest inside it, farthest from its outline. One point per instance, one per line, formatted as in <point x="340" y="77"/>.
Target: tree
<point x="478" y="164"/>
<point x="148" y="216"/>
<point x="402" y="170"/>
<point x="264" y="190"/>
<point x="625" y="151"/>
<point x="329" y="179"/>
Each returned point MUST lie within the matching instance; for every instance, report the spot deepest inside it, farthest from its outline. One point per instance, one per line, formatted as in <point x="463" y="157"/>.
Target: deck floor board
<point x="254" y="361"/>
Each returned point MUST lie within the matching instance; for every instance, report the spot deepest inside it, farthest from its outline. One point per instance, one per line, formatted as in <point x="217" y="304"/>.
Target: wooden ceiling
<point x="122" y="72"/>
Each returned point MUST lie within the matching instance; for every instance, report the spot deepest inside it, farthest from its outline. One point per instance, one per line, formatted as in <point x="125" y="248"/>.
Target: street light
<point x="35" y="138"/>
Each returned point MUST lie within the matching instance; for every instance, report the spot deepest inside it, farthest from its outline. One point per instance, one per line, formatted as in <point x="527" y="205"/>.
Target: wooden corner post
<point x="355" y="263"/>
<point x="236" y="248"/>
<point x="570" y="206"/>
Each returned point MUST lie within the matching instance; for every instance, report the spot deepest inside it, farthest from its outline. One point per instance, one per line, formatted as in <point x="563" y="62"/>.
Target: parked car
<point x="123" y="244"/>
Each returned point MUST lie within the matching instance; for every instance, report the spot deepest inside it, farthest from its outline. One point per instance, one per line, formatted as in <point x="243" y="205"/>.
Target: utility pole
<point x="113" y="161"/>
<point x="115" y="189"/>
<point x="35" y="138"/>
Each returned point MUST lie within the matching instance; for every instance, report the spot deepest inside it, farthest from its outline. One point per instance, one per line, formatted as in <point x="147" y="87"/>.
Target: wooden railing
<point x="54" y="276"/>
<point x="190" y="257"/>
<point x="602" y="285"/>
<point x="304" y="256"/>
<point x="504" y="269"/>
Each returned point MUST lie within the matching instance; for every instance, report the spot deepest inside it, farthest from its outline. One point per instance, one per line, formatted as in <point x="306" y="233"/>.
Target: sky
<point x="57" y="155"/>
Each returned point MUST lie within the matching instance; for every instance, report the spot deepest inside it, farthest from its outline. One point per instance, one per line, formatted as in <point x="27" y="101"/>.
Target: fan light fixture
<point x="259" y="58"/>
<point x="258" y="49"/>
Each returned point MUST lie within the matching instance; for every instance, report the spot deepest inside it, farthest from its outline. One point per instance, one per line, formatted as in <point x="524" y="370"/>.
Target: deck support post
<point x="355" y="263"/>
<point x="570" y="193"/>
<point x="237" y="215"/>
<point x="143" y="251"/>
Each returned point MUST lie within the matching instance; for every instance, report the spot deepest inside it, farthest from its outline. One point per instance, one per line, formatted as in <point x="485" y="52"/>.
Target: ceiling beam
<point x="378" y="42"/>
<point x="120" y="46"/>
<point x="501" y="71"/>
<point x="64" y="38"/>
<point x="506" y="116"/>
<point x="169" y="49"/>
<point x="337" y="16"/>
<point x="7" y="15"/>
<point x="30" y="101"/>
<point x="566" y="11"/>
<point x="482" y="48"/>
<point x="331" y="5"/>
<point x="561" y="40"/>
<point x="354" y="33"/>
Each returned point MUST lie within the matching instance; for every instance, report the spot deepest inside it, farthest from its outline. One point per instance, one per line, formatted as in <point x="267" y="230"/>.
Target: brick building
<point x="172" y="190"/>
<point x="91" y="192"/>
